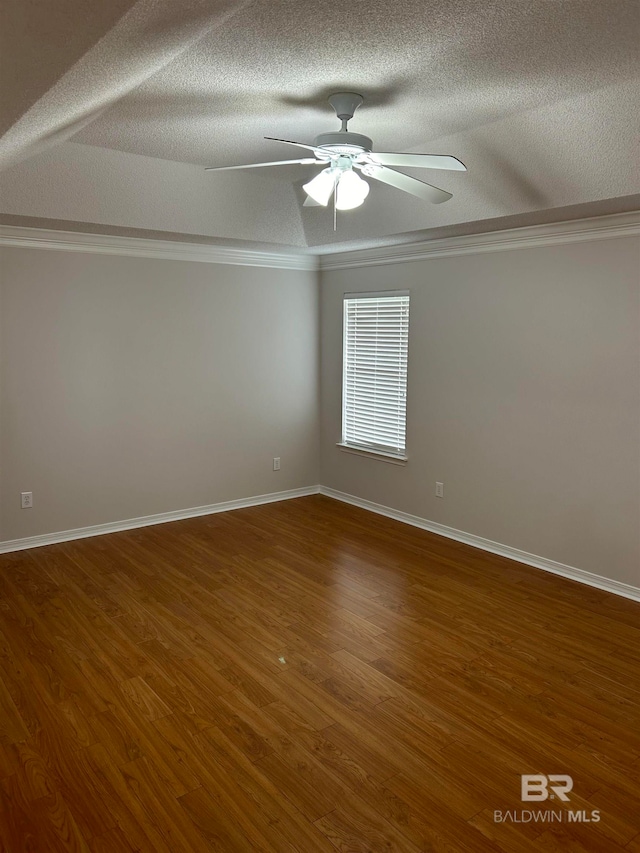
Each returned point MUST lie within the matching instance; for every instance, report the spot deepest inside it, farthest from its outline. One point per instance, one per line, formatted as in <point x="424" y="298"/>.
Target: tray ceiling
<point x="110" y="114"/>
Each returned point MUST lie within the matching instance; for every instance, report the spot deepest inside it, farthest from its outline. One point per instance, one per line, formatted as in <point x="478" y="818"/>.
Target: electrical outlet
<point x="276" y="463"/>
<point x="26" y="500"/>
<point x="439" y="490"/>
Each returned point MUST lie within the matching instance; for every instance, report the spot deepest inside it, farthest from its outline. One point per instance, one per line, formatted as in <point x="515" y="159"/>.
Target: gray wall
<point x="137" y="386"/>
<point x="523" y="398"/>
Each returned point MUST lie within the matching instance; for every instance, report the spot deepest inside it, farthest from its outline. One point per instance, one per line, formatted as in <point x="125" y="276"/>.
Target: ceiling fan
<point x="345" y="154"/>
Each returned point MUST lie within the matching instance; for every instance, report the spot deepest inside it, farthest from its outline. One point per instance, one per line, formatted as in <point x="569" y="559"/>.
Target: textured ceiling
<point x="537" y="97"/>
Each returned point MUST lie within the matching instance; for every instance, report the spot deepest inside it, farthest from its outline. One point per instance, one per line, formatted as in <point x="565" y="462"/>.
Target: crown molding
<point x="137" y="247"/>
<point x="575" y="231"/>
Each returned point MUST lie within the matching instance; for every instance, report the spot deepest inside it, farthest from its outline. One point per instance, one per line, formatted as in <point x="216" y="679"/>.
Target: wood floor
<point x="308" y="676"/>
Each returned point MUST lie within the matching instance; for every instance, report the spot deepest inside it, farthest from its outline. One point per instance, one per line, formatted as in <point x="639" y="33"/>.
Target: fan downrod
<point x="345" y="104"/>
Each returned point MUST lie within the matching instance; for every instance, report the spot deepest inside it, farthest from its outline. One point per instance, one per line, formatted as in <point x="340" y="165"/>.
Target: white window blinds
<point x="374" y="379"/>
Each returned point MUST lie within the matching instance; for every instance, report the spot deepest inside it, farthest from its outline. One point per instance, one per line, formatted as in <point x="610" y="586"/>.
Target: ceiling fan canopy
<point x="342" y="152"/>
<point x="343" y="141"/>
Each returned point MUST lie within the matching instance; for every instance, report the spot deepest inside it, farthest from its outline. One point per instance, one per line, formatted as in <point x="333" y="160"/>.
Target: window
<point x="374" y="372"/>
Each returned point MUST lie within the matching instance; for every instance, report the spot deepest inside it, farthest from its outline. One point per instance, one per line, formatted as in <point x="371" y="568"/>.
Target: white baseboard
<point x="606" y="584"/>
<point x="148" y="520"/>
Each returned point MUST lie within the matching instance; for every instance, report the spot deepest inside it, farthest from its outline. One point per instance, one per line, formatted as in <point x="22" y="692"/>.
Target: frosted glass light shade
<point x="351" y="192"/>
<point x="321" y="187"/>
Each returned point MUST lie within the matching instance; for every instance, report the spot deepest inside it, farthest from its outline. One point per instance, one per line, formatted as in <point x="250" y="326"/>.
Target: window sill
<point x="380" y="455"/>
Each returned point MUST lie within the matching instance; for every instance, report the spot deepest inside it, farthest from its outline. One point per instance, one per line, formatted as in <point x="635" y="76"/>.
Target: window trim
<point x="380" y="453"/>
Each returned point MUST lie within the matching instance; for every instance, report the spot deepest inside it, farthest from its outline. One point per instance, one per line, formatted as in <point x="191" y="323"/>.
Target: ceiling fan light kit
<point x="343" y="152"/>
<point x="351" y="191"/>
<point x="321" y="188"/>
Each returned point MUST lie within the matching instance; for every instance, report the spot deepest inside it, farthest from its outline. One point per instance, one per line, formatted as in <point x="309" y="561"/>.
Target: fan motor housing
<point x="344" y="142"/>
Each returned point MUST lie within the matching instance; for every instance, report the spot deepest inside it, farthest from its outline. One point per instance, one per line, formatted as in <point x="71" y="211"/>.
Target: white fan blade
<point x="291" y="142"/>
<point x="310" y="202"/>
<point x="418" y="161"/>
<point x="407" y="184"/>
<point x="306" y="162"/>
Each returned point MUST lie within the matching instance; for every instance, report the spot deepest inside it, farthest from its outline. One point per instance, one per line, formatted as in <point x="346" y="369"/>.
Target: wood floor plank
<point x="212" y="820"/>
<point x="280" y="821"/>
<point x="355" y="826"/>
<point x="144" y="698"/>
<point x="302" y="780"/>
<point x="12" y="728"/>
<point x="135" y="811"/>
<point x="109" y="842"/>
<point x="306" y="676"/>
